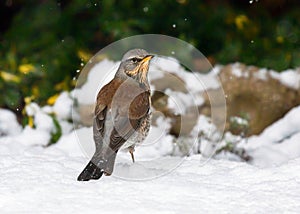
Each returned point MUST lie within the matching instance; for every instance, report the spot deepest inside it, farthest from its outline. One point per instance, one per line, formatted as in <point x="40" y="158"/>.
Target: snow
<point x="43" y="122"/>
<point x="285" y="127"/>
<point x="278" y="143"/>
<point x="261" y="74"/>
<point x="99" y="75"/>
<point x="158" y="143"/>
<point x="236" y="71"/>
<point x="39" y="179"/>
<point x="63" y="105"/>
<point x="239" y="121"/>
<point x="8" y="123"/>
<point x="179" y="102"/>
<point x="153" y="74"/>
<point x="69" y="143"/>
<point x="168" y="64"/>
<point x="32" y="108"/>
<point x="104" y="71"/>
<point x="194" y="81"/>
<point x="289" y="78"/>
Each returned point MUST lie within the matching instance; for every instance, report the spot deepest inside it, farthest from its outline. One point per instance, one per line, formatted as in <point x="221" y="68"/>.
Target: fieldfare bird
<point x="122" y="114"/>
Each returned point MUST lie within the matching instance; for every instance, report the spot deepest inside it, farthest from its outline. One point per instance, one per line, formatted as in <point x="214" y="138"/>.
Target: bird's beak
<point x="147" y="58"/>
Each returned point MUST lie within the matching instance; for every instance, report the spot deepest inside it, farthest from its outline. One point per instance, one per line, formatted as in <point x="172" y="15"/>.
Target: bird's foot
<point x="131" y="150"/>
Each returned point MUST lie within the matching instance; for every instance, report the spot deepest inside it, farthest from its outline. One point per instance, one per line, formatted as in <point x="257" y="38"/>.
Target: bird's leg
<point x="131" y="150"/>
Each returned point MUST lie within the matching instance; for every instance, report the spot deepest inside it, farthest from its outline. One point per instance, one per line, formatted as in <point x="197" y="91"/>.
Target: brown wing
<point x="99" y="119"/>
<point x="125" y="123"/>
<point x="140" y="105"/>
<point x="104" y="99"/>
<point x="125" y="126"/>
<point x="105" y="95"/>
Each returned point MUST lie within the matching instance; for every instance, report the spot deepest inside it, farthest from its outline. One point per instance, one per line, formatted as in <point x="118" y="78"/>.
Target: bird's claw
<point x="131" y="150"/>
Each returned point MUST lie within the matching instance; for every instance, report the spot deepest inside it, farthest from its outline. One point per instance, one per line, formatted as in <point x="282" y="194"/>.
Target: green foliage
<point x="48" y="40"/>
<point x="238" y="129"/>
<point x="239" y="125"/>
<point x="232" y="147"/>
<point x="56" y="134"/>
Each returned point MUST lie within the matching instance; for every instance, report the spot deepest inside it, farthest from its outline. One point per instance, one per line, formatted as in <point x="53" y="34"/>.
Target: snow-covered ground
<point x="39" y="179"/>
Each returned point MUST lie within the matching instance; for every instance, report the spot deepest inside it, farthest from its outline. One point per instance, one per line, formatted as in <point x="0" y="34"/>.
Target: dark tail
<point x="91" y="171"/>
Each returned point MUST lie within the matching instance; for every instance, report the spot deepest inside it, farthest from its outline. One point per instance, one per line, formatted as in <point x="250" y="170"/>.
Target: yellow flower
<point x="26" y="68"/>
<point x="73" y="82"/>
<point x="280" y="39"/>
<point x="182" y="1"/>
<point x="30" y="121"/>
<point x="35" y="91"/>
<point x="8" y="77"/>
<point x="61" y="86"/>
<point x="85" y="56"/>
<point x="240" y="21"/>
<point x="28" y="100"/>
<point x="51" y="100"/>
<point x="288" y="57"/>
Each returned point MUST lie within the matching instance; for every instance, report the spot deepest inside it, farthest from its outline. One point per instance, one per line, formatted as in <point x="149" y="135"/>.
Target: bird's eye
<point x="135" y="60"/>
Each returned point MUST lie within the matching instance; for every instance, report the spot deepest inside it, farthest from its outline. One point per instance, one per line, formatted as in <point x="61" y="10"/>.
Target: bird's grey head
<point x="135" y="64"/>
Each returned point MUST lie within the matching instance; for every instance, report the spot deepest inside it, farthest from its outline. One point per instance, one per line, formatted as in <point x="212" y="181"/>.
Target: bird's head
<point x="135" y="64"/>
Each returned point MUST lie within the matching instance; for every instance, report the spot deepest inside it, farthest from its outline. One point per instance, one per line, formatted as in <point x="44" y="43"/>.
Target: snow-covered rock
<point x="290" y="78"/>
<point x="33" y="137"/>
<point x="261" y="95"/>
<point x="63" y="106"/>
<point x="278" y="143"/>
<point x="8" y="123"/>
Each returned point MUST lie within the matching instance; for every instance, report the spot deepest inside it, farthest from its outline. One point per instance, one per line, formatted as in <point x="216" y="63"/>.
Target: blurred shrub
<point x="48" y="41"/>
